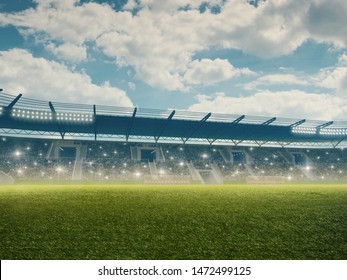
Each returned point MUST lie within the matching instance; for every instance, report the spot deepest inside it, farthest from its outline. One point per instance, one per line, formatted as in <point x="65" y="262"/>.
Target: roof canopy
<point x="37" y="118"/>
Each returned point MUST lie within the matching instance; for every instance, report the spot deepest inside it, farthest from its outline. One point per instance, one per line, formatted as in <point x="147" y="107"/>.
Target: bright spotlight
<point x="59" y="169"/>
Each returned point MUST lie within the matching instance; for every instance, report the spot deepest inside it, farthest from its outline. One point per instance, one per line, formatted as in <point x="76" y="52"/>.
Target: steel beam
<point x="95" y="126"/>
<point x="220" y="131"/>
<point x="339" y="141"/>
<point x="10" y="106"/>
<point x="266" y="123"/>
<point x="162" y="128"/>
<point x="324" y="125"/>
<point x="197" y="126"/>
<point x="54" y="117"/>
<point x="256" y="129"/>
<point x="297" y="123"/>
<point x="132" y="120"/>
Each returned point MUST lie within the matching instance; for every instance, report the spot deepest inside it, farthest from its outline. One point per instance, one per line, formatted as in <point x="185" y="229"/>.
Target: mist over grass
<point x="173" y="222"/>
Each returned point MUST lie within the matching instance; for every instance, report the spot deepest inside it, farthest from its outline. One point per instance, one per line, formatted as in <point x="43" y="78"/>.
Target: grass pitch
<point x="173" y="222"/>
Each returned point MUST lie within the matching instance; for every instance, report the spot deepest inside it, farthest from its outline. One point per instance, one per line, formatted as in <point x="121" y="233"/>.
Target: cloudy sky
<point x="271" y="58"/>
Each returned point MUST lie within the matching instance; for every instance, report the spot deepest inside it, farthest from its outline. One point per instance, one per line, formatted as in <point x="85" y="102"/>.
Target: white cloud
<point x="326" y="20"/>
<point x="69" y="52"/>
<point x="275" y="79"/>
<point x="131" y="85"/>
<point x="291" y="104"/>
<point x="207" y="71"/>
<point x="343" y="60"/>
<point x="333" y="78"/>
<point x="65" y="21"/>
<point x="48" y="80"/>
<point x="160" y="40"/>
<point x="131" y="4"/>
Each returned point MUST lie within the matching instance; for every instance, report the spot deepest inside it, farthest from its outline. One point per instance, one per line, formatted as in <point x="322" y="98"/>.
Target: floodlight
<point x="161" y="172"/>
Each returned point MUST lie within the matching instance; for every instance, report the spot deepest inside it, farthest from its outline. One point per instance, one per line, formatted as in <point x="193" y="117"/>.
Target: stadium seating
<point x="33" y="159"/>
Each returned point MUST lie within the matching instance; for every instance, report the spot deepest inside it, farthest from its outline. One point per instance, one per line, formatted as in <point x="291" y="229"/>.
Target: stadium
<point x="106" y="182"/>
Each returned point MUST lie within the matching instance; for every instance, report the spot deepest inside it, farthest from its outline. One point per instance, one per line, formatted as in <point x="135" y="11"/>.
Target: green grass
<point x="173" y="222"/>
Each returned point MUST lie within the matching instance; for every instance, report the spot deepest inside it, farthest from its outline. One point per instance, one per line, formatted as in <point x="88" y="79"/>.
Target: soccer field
<point x="173" y="222"/>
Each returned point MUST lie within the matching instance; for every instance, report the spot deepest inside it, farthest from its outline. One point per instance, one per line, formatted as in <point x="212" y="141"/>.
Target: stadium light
<point x="45" y="115"/>
<point x="161" y="172"/>
<point x="304" y="130"/>
<point x="333" y="131"/>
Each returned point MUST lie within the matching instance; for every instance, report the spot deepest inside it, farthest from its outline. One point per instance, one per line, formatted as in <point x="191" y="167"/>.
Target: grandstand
<point x="61" y="141"/>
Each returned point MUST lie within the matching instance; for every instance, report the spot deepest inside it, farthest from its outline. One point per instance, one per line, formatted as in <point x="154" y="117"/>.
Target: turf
<point x="173" y="222"/>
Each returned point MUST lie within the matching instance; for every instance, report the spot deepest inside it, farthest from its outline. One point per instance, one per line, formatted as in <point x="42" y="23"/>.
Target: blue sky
<point x="270" y="58"/>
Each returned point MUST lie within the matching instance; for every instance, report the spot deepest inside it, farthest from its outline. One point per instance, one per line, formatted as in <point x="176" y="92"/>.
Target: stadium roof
<point x="36" y="118"/>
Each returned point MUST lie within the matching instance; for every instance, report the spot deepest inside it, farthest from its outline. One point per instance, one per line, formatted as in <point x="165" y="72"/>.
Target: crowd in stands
<point x="26" y="159"/>
<point x="273" y="162"/>
<point x="172" y="167"/>
<point x="31" y="159"/>
<point x="114" y="169"/>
